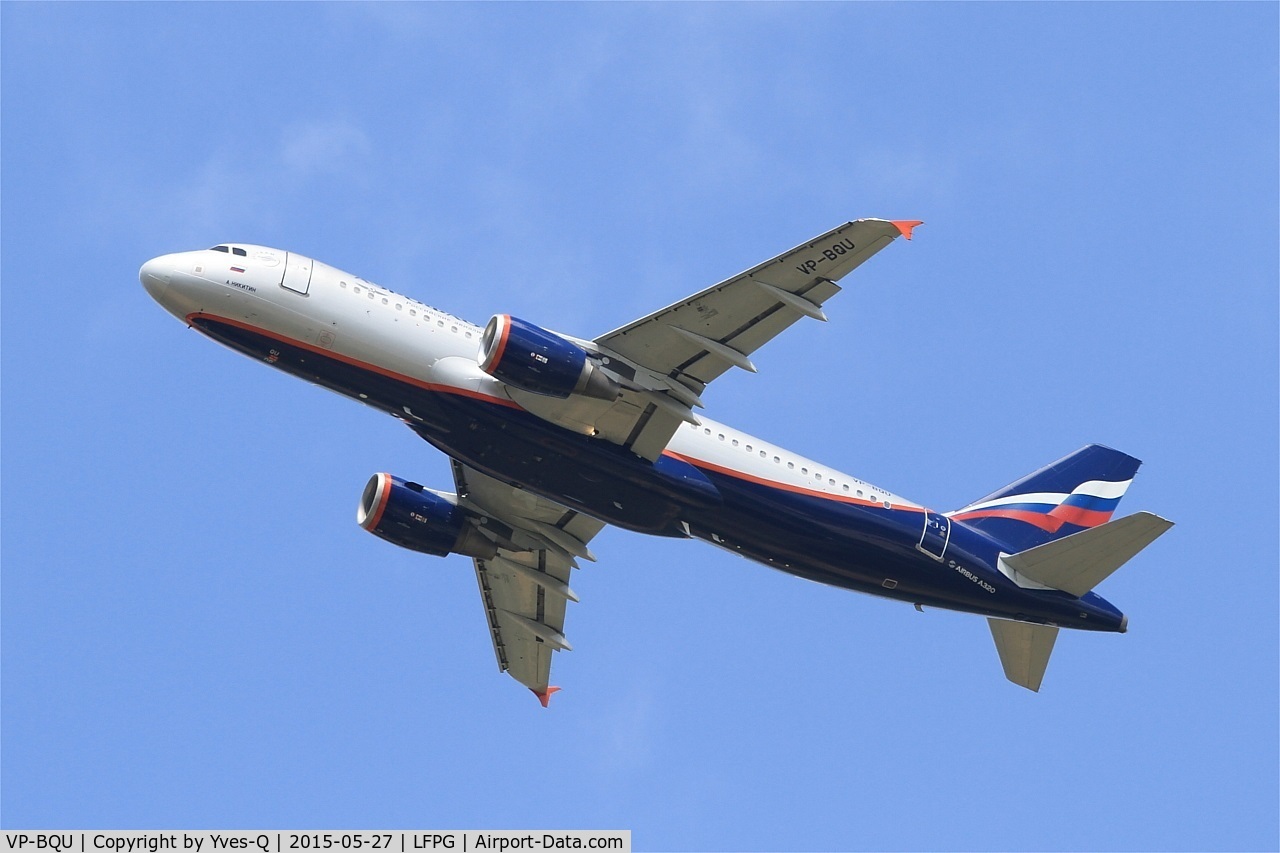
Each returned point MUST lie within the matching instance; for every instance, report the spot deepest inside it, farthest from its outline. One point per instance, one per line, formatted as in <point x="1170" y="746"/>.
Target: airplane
<point x="551" y="437"/>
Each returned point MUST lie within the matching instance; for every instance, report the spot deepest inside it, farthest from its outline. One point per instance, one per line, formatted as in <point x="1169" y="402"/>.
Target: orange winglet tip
<point x="545" y="696"/>
<point x="905" y="227"/>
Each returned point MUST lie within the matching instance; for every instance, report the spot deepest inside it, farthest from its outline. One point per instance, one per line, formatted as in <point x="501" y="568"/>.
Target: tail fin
<point x="1077" y="492"/>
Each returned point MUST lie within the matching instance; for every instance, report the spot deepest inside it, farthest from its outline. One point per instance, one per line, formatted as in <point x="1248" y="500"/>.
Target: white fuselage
<point x="390" y="333"/>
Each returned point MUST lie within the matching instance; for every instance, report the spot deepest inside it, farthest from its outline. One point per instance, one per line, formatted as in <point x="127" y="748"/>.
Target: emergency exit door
<point x="297" y="273"/>
<point x="937" y="533"/>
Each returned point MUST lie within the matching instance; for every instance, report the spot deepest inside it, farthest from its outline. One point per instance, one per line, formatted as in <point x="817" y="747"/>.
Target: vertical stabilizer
<point x="1079" y="491"/>
<point x="1024" y="650"/>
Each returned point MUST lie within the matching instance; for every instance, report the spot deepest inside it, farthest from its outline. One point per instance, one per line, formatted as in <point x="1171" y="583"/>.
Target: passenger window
<point x="355" y="290"/>
<point x="735" y="442"/>
<point x="762" y="454"/>
<point x="241" y="252"/>
<point x="791" y="464"/>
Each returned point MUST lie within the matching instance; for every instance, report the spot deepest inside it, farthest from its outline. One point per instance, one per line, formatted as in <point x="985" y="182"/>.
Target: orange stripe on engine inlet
<point x="502" y="341"/>
<point x="383" y="500"/>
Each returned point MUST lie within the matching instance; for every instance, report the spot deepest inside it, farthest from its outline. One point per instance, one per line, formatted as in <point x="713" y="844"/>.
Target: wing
<point x="525" y="588"/>
<point x="679" y="350"/>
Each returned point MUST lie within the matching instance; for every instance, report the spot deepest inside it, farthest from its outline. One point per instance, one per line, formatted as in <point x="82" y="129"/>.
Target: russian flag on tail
<point x="1079" y="491"/>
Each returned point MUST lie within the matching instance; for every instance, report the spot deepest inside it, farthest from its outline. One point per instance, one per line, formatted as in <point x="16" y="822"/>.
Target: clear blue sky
<point x="197" y="634"/>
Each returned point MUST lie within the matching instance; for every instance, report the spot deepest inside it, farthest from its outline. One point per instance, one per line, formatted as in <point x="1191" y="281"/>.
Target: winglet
<point x="905" y="227"/>
<point x="545" y="696"/>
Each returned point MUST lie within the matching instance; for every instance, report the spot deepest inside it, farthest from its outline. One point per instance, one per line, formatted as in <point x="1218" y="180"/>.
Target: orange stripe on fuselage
<point x="786" y="487"/>
<point x="355" y="362"/>
<point x="449" y="389"/>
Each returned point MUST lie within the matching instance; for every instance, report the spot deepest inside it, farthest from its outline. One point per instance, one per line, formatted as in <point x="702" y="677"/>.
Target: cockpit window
<point x="241" y="252"/>
<point x="221" y="249"/>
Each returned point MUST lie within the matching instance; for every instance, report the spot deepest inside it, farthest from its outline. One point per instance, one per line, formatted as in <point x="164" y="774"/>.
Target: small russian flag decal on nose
<point x="237" y="269"/>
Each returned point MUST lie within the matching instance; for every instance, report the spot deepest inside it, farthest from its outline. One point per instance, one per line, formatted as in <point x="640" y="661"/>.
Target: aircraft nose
<point x="155" y="275"/>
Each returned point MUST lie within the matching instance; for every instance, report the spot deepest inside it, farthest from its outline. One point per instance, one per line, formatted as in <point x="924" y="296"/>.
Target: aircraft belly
<point x="592" y="476"/>
<point x="872" y="550"/>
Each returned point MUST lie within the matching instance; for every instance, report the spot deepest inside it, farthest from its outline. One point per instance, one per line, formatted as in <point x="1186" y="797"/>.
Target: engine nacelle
<point x="412" y="517"/>
<point x="535" y="360"/>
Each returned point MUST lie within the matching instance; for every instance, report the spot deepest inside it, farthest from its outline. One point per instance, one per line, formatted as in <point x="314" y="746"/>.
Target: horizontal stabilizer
<point x="1024" y="650"/>
<point x="1079" y="562"/>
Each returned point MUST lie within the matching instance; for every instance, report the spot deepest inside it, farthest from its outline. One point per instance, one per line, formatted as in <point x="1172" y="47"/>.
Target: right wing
<point x="700" y="337"/>
<point x="677" y="351"/>
<point x="525" y="588"/>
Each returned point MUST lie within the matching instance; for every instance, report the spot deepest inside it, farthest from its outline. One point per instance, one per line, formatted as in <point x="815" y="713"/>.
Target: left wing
<point x="678" y="351"/>
<point x="525" y="588"/>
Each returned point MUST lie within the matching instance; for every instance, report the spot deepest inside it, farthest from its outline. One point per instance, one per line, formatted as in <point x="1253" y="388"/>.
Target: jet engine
<point x="535" y="360"/>
<point x="413" y="517"/>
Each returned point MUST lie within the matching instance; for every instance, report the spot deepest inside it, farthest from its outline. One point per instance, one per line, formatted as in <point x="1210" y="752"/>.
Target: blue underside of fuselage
<point x="853" y="546"/>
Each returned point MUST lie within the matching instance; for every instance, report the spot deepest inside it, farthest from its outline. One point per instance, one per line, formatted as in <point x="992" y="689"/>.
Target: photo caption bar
<point x="294" y="840"/>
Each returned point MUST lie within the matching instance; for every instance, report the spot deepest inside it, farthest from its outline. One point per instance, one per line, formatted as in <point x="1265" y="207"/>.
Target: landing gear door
<point x="937" y="533"/>
<point x="297" y="273"/>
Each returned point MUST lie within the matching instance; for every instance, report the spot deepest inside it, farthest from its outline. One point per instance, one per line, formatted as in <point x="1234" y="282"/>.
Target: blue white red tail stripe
<point x="1088" y="505"/>
<point x="1078" y="491"/>
<point x="1050" y="511"/>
